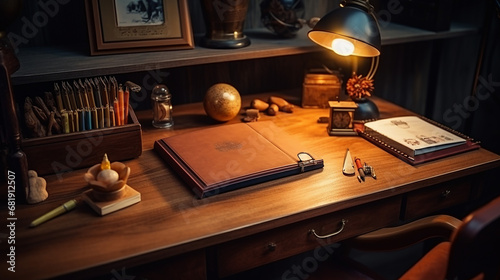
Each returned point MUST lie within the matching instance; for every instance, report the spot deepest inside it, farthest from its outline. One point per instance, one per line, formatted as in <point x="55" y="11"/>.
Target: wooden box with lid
<point x="319" y="87"/>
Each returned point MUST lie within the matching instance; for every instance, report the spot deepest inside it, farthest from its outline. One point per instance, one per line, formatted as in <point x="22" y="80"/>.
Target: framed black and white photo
<point x="139" y="13"/>
<point x="124" y="26"/>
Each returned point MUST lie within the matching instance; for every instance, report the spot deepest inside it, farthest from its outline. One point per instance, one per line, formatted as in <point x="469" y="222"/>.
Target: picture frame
<point x="128" y="26"/>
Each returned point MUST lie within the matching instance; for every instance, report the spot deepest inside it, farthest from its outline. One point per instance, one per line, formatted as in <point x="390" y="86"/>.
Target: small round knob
<point x="272" y="246"/>
<point x="445" y="193"/>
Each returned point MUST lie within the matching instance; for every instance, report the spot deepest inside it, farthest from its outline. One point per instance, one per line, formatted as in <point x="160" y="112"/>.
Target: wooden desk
<point x="172" y="231"/>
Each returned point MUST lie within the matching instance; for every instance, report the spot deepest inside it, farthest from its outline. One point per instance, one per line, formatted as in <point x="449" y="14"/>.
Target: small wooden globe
<point x="222" y="102"/>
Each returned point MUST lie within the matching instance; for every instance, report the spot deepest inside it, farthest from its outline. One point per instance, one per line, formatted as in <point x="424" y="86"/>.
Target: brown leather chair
<point x="471" y="249"/>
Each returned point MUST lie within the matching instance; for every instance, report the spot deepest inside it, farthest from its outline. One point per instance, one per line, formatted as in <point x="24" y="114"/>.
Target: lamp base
<point x="225" y="43"/>
<point x="367" y="110"/>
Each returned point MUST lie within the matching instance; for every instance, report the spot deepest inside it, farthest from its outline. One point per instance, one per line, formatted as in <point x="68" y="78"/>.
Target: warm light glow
<point x="342" y="47"/>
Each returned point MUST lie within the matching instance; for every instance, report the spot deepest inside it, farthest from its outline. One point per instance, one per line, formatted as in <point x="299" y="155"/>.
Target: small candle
<point x="107" y="175"/>
<point x="105" y="164"/>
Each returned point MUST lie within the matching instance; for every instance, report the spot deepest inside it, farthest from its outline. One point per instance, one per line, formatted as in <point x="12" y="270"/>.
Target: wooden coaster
<point x="102" y="208"/>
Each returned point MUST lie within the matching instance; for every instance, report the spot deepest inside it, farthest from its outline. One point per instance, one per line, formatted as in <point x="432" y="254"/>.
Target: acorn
<point x="283" y="105"/>
<point x="273" y="109"/>
<point x="259" y="104"/>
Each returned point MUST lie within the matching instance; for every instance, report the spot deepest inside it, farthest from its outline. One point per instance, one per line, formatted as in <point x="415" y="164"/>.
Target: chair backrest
<point x="475" y="245"/>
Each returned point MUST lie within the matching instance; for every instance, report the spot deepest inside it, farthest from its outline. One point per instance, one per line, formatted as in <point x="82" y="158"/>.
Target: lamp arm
<point x="373" y="68"/>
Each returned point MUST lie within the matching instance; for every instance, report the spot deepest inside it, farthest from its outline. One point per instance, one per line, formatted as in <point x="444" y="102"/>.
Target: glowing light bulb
<point x="342" y="47"/>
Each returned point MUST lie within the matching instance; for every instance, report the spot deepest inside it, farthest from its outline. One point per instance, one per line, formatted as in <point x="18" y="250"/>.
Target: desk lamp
<point x="352" y="29"/>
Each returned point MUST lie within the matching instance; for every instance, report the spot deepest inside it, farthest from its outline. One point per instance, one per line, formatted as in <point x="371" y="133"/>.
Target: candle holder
<point x="109" y="191"/>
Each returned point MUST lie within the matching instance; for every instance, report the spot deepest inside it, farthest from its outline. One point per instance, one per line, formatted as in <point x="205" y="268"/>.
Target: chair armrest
<point x="399" y="237"/>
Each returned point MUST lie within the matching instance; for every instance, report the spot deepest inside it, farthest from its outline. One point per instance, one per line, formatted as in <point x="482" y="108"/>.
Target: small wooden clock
<point x="341" y="118"/>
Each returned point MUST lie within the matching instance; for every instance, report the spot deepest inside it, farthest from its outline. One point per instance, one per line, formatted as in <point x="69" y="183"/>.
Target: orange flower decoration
<point x="359" y="86"/>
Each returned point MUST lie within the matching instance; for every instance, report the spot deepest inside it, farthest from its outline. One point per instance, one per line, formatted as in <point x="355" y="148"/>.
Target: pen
<point x="360" y="168"/>
<point x="66" y="207"/>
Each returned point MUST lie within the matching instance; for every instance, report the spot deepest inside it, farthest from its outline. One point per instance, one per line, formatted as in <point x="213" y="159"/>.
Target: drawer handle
<point x="271" y="247"/>
<point x="331" y="234"/>
<point x="445" y="193"/>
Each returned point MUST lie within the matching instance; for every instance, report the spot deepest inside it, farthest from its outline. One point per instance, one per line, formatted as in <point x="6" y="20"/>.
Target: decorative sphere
<point x="222" y="102"/>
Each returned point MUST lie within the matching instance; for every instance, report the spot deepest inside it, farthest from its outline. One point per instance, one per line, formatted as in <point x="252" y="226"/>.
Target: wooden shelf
<point x="53" y="64"/>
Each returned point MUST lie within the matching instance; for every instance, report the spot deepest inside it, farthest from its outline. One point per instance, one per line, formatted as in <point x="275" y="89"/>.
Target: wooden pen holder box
<point x="66" y="152"/>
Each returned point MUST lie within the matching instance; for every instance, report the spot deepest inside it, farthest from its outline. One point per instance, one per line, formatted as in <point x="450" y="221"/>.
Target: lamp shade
<point x="358" y="28"/>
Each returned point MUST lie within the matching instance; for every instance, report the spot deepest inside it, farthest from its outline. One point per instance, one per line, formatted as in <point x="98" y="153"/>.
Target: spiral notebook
<point x="227" y="157"/>
<point x="416" y="139"/>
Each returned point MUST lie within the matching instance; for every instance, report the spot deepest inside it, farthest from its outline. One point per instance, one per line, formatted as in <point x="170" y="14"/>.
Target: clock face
<point x="341" y="119"/>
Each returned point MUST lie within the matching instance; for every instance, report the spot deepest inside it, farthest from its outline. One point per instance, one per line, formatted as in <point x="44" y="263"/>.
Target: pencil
<point x="121" y="105"/>
<point x="116" y="107"/>
<point x="107" y="115"/>
<point x="71" y="95"/>
<point x="112" y="119"/>
<point x="59" y="101"/>
<point x="126" y="97"/>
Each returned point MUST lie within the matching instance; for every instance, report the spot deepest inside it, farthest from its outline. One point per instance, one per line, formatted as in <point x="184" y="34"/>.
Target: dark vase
<point x="366" y="110"/>
<point x="224" y="21"/>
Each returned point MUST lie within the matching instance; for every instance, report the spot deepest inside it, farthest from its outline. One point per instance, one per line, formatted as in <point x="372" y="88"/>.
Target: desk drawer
<point x="426" y="201"/>
<point x="266" y="247"/>
<point x="186" y="266"/>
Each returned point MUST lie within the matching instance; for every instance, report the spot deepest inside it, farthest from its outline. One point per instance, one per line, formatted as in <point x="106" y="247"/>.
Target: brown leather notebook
<point x="228" y="157"/>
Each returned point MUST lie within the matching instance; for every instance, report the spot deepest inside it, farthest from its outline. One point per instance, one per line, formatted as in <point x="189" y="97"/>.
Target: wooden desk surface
<point x="170" y="220"/>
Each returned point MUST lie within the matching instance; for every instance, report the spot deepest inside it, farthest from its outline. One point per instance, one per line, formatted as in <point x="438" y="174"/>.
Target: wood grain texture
<point x="170" y="220"/>
<point x="269" y="246"/>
